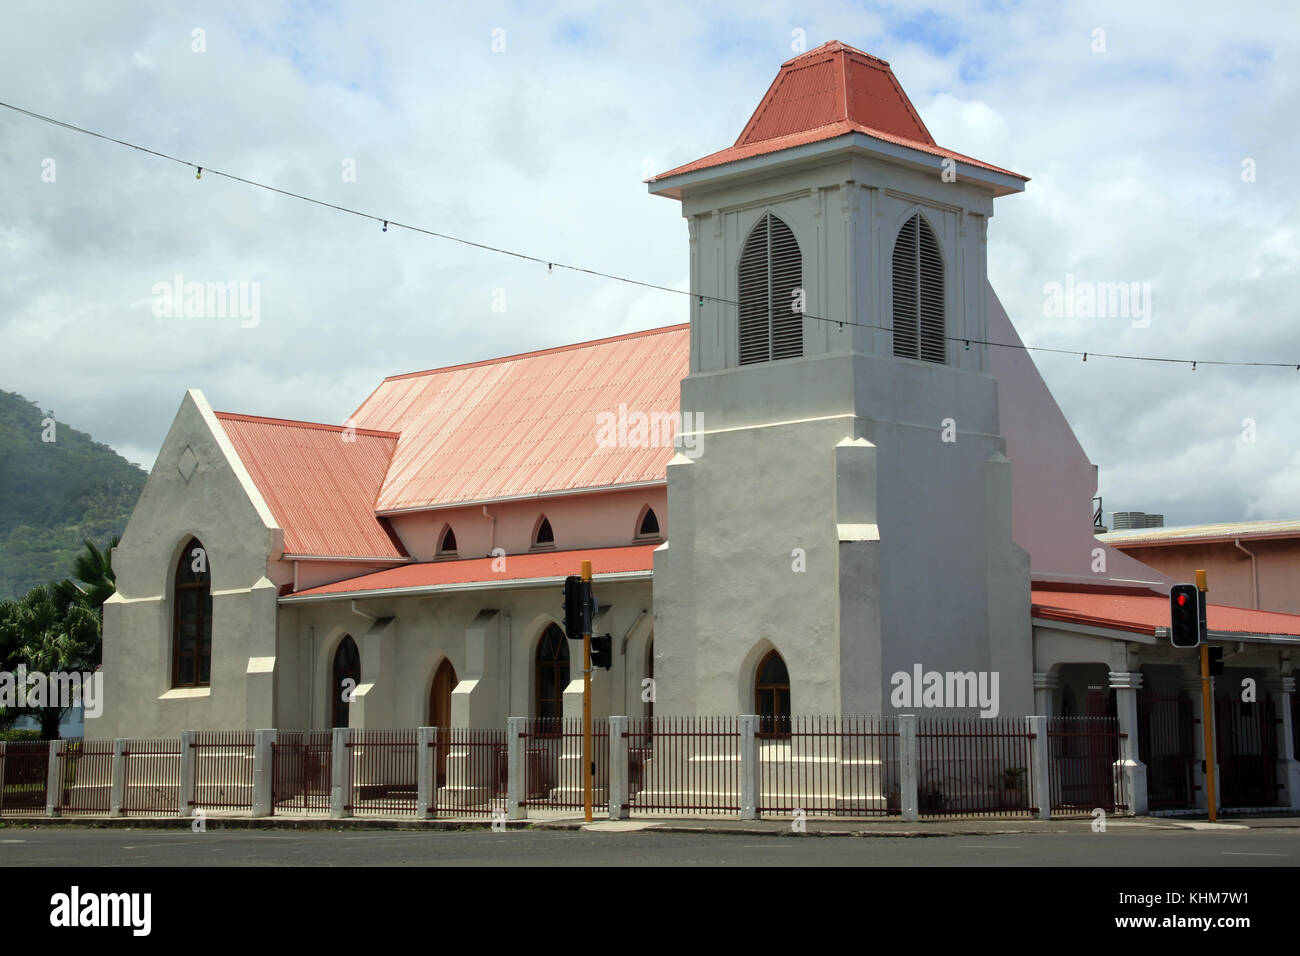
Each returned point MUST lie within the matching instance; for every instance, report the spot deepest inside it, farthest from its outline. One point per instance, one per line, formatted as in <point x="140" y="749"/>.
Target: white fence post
<point x="1041" y="777"/>
<point x="263" y="761"/>
<point x="117" y="792"/>
<point x="3" y="748"/>
<point x="908" y="768"/>
<point x="516" y="769"/>
<point x="749" y="767"/>
<point x="617" y="767"/>
<point x="425" y="740"/>
<point x="340" y="773"/>
<point x="54" y="780"/>
<point x="185" y="804"/>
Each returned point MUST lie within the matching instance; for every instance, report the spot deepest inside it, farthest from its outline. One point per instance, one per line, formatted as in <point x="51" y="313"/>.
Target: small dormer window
<point x="648" y="526"/>
<point x="544" y="537"/>
<point x="447" y="546"/>
<point x="771" y="293"/>
<point x="919" y="327"/>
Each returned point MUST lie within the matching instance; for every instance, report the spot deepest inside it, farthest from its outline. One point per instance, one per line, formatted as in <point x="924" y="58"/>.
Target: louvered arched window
<point x="919" y="328"/>
<point x="771" y="294"/>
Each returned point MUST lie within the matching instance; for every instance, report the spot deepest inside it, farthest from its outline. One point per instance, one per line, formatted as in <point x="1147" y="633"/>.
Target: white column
<point x="1041" y="779"/>
<point x="263" y="760"/>
<point x="185" y="803"/>
<point x="617" y="767"/>
<point x="516" y="769"/>
<point x="117" y="792"/>
<point x="426" y="762"/>
<point x="1045" y="687"/>
<point x="909" y="771"/>
<point x="1126" y="684"/>
<point x="54" y="780"/>
<point x="1288" y="768"/>
<point x="341" y="773"/>
<point x="749" y="767"/>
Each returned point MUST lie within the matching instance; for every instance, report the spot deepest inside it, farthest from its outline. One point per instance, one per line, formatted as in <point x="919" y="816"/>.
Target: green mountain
<point x="53" y="495"/>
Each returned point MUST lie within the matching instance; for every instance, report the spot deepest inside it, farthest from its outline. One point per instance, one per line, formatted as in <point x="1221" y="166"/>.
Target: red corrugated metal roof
<point x="546" y="565"/>
<point x="526" y="424"/>
<point x="1143" y="613"/>
<point x="319" y="484"/>
<point x="831" y="91"/>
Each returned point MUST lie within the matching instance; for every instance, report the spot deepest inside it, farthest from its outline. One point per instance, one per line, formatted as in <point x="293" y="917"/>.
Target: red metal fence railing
<point x="1082" y="755"/>
<point x="553" y="775"/>
<point x="152" y="776"/>
<point x="1166" y="732"/>
<point x="26" y="774"/>
<point x="1245" y="736"/>
<point x="223" y="768"/>
<point x="87" y="776"/>
<point x="470" y="770"/>
<point x="974" y="766"/>
<point x="836" y="766"/>
<point x="383" y="775"/>
<point x="684" y="763"/>
<point x="301" y="764"/>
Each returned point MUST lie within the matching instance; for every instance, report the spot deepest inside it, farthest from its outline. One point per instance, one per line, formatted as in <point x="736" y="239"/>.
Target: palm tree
<point x="51" y="629"/>
<point x="94" y="570"/>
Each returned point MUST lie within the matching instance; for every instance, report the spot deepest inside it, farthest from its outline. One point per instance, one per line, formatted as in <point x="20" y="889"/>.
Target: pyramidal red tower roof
<point x="827" y="92"/>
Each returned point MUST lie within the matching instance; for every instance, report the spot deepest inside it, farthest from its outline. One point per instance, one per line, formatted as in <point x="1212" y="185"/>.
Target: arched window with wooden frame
<point x="444" y="682"/>
<point x="772" y="696"/>
<point x="345" y="676"/>
<point x="550" y="673"/>
<point x="543" y="535"/>
<point x="770" y="275"/>
<point x="920" y="326"/>
<point x="647" y="525"/>
<point x="192" y="617"/>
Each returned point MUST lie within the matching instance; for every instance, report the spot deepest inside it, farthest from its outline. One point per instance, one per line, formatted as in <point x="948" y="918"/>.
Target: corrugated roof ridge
<point x="294" y="423"/>
<point x="547" y="351"/>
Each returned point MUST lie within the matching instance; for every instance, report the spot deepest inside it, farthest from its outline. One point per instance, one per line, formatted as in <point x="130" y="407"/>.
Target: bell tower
<point x="850" y="506"/>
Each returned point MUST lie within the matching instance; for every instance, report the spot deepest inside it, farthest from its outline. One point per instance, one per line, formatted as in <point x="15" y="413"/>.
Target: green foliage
<point x="18" y="735"/>
<point x="55" y="497"/>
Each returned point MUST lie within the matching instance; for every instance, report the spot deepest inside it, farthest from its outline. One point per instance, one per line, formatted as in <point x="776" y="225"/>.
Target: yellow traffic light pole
<point x="1207" y="706"/>
<point x="586" y="702"/>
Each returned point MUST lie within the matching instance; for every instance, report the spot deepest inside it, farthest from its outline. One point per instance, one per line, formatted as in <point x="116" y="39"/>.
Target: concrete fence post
<point x="749" y="767"/>
<point x="909" y="769"/>
<point x="516" y="769"/>
<point x="425" y="761"/>
<point x="263" y="773"/>
<point x="3" y="748"/>
<point x="54" y="780"/>
<point x="340" y="773"/>
<point x="185" y="805"/>
<point x="617" y="768"/>
<point x="1040" y="760"/>
<point x="117" y="791"/>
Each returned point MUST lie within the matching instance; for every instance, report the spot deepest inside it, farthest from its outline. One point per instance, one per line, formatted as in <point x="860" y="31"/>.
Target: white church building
<point x="823" y="480"/>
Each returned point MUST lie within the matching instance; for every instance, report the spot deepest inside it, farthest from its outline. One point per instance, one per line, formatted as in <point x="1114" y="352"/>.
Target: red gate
<point x="1245" y="737"/>
<point x="1167" y="746"/>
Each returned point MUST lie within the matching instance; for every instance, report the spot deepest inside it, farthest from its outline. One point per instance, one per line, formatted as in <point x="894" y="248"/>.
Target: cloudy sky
<point x="1162" y="150"/>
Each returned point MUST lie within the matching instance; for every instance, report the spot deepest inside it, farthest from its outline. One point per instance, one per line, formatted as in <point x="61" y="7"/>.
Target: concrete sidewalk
<point x="812" y="826"/>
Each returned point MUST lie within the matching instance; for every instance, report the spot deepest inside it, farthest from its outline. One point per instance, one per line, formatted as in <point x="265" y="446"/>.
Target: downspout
<point x="622" y="650"/>
<point x="359" y="613"/>
<point x="492" y="538"/>
<point x="1254" y="577"/>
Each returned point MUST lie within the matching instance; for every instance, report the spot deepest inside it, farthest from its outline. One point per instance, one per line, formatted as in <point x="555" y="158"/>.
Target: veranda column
<point x="1288" y="768"/>
<point x="1126" y="684"/>
<point x="1046" y="684"/>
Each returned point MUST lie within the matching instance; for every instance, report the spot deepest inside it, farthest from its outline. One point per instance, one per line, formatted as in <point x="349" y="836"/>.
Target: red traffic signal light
<point x="1185" y="616"/>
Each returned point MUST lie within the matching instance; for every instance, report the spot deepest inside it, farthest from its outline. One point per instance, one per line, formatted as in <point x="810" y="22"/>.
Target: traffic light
<point x="1185" y="615"/>
<point x="1216" y="661"/>
<point x="602" y="651"/>
<point x="574" y="594"/>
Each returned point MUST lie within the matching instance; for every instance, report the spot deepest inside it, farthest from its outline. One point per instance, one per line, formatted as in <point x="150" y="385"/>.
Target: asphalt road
<point x="77" y="847"/>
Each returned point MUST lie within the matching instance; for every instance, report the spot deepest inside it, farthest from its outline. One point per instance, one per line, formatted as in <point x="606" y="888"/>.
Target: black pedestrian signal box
<point x="602" y="651"/>
<point x="1186" y="616"/>
<point x="575" y="595"/>
<point x="1216" y="661"/>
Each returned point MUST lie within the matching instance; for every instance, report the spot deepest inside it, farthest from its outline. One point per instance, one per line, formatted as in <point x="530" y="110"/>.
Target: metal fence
<point x="223" y="768"/>
<point x="1167" y="728"/>
<point x="684" y="763"/>
<point x="26" y="776"/>
<point x="469" y="771"/>
<point x="383" y="775"/>
<point x="1245" y="734"/>
<point x="832" y="766"/>
<point x="152" y="775"/>
<point x="86" y="776"/>
<point x="1082" y="754"/>
<point x="301" y="768"/>
<point x="974" y="767"/>
<point x="553" y="774"/>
